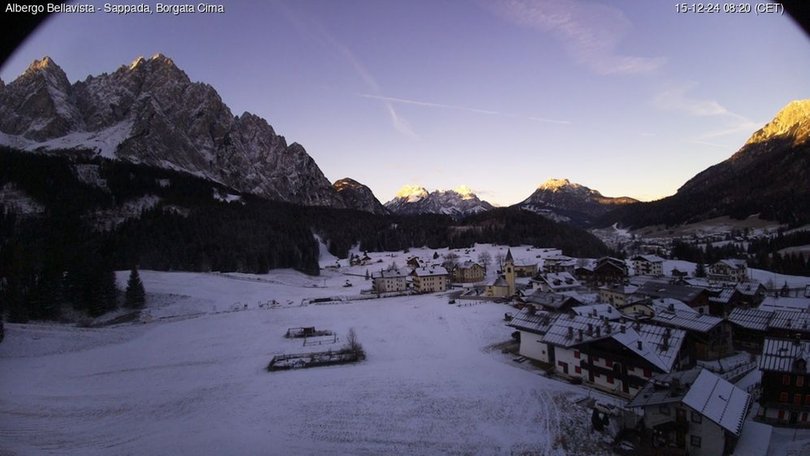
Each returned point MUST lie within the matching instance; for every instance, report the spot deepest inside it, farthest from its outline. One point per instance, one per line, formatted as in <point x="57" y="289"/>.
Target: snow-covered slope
<point x="150" y="112"/>
<point x="460" y="202"/>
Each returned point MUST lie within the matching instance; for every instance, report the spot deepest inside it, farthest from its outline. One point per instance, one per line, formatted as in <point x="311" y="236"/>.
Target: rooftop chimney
<point x="639" y="344"/>
<point x="623" y="329"/>
<point x="570" y="332"/>
<point x="590" y="329"/>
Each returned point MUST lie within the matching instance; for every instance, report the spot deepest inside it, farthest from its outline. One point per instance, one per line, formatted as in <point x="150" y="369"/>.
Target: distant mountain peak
<point x="554" y="184"/>
<point x="792" y="121"/>
<point x="563" y="200"/>
<point x="137" y="62"/>
<point x="44" y="64"/>
<point x="412" y="193"/>
<point x="358" y="196"/>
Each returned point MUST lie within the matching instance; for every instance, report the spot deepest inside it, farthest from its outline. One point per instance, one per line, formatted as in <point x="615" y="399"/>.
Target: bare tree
<point x="353" y="345"/>
<point x="485" y="259"/>
<point x="500" y="258"/>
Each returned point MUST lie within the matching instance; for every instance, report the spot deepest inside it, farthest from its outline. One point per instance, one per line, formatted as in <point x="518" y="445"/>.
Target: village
<point x="691" y="360"/>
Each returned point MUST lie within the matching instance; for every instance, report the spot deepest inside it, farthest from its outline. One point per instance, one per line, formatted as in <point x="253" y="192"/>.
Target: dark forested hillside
<point x="68" y="220"/>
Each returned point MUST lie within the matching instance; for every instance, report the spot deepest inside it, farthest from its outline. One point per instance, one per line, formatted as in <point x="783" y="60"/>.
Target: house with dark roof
<point x="615" y="356"/>
<point x="785" y="398"/>
<point x="707" y="337"/>
<point x="695" y="410"/>
<point x="695" y="297"/>
<point x="750" y="327"/>
<point x="550" y="301"/>
<point x="532" y="326"/>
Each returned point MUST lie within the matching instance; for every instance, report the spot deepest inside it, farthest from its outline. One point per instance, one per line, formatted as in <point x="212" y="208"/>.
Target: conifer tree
<point x="135" y="297"/>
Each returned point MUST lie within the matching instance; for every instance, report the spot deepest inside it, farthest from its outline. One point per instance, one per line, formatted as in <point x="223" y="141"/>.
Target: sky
<point x="626" y="97"/>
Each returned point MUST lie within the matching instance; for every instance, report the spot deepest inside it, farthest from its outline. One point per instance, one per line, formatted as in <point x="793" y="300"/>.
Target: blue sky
<point x="626" y="97"/>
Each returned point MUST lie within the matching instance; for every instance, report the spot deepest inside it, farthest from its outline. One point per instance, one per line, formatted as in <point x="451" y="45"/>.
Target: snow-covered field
<point x="191" y="380"/>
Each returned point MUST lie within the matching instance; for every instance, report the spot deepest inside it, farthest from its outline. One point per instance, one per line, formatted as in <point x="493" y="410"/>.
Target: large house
<point x="430" y="279"/>
<point x="695" y="410"/>
<point x="707" y="337"/>
<point x="613" y="356"/>
<point x="390" y="280"/>
<point x="616" y="294"/>
<point x="553" y="302"/>
<point x="649" y="265"/>
<point x="467" y="272"/>
<point x="556" y="282"/>
<point x="609" y="270"/>
<point x="559" y="263"/>
<point x="785" y="398"/>
<point x="734" y="271"/>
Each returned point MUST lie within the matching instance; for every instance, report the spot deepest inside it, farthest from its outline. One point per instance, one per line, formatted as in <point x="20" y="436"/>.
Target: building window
<point x="800" y="380"/>
<point x="576" y="354"/>
<point x="783" y="397"/>
<point x="594" y="359"/>
<point x="695" y="441"/>
<point x="786" y="379"/>
<point x="781" y="415"/>
<point x="807" y="399"/>
<point x="797" y="399"/>
<point x="664" y="410"/>
<point x="609" y="363"/>
<point x="804" y="416"/>
<point x="610" y="379"/>
<point x="647" y="373"/>
<point x="696" y="417"/>
<point x="578" y="370"/>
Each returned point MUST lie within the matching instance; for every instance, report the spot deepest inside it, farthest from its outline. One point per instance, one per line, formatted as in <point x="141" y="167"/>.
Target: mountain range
<point x="149" y="112"/>
<point x="457" y="203"/>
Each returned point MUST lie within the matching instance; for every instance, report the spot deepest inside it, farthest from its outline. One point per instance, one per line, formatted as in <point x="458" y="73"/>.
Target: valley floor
<point x="192" y="379"/>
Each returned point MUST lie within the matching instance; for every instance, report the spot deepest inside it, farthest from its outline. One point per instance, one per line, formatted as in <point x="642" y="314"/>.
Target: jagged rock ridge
<point x="357" y="196"/>
<point x="150" y="112"/>
<point x="460" y="202"/>
<point x="562" y="200"/>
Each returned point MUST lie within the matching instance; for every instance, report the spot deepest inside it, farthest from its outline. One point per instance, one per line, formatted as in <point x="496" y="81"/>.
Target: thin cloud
<point x="678" y="99"/>
<point x="315" y="31"/>
<point x="428" y="104"/>
<point x="590" y="32"/>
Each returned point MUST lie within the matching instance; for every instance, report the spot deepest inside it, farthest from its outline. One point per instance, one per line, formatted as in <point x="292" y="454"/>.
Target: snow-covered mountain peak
<point x="411" y="193"/>
<point x="465" y="192"/>
<point x="150" y="112"/>
<point x="137" y="62"/>
<point x="791" y="121"/>
<point x="558" y="184"/>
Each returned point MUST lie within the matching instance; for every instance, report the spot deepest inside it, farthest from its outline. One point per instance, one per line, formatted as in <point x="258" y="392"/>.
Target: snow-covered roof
<point x="702" y="391"/>
<point x="536" y="322"/>
<point x="791" y="321"/>
<point x="598" y="311"/>
<point x="549" y="299"/>
<point x="430" y="271"/>
<point x="733" y="263"/>
<point x="722" y="296"/>
<point x="559" y="280"/>
<point x="390" y="274"/>
<point x="468" y="265"/>
<point x="718" y="400"/>
<point x="784" y="303"/>
<point x="783" y="355"/>
<point x="623" y="289"/>
<point x="648" y="258"/>
<point x="656" y="344"/>
<point x="751" y="318"/>
<point x="657" y="289"/>
<point x="671" y="312"/>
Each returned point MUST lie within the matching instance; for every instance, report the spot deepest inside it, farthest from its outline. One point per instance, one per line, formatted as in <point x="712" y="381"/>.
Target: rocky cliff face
<point x="150" y="112"/>
<point x="562" y="200"/>
<point x="768" y="176"/>
<point x="357" y="196"/>
<point x="412" y="200"/>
